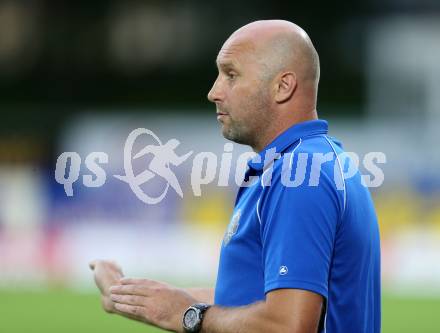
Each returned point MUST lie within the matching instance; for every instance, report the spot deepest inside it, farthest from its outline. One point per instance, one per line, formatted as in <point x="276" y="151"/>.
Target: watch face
<point x="191" y="318"/>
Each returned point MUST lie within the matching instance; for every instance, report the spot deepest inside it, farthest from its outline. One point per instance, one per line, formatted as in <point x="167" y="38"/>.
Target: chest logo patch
<point x="232" y="228"/>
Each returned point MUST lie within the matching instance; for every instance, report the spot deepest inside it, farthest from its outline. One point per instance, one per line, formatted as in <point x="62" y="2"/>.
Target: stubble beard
<point x="247" y="130"/>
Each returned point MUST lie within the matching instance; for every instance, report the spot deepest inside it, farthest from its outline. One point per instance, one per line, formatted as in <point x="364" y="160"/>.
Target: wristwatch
<point x="193" y="317"/>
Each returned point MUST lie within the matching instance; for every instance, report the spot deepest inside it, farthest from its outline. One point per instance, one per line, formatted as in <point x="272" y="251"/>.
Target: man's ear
<point x="285" y="87"/>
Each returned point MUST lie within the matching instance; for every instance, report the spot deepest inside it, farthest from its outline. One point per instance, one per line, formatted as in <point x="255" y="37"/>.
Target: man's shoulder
<point x="319" y="150"/>
<point x="311" y="165"/>
<point x="320" y="143"/>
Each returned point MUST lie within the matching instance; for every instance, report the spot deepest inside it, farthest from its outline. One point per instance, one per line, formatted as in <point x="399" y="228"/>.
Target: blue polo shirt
<point x="300" y="223"/>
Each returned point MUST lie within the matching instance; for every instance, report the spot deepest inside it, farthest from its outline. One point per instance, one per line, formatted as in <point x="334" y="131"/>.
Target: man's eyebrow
<point x="225" y="64"/>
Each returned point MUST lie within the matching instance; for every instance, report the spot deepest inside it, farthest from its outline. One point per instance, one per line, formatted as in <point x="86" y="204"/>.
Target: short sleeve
<point x="298" y="226"/>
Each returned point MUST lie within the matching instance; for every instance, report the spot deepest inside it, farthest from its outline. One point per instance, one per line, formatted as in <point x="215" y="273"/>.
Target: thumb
<point x="92" y="265"/>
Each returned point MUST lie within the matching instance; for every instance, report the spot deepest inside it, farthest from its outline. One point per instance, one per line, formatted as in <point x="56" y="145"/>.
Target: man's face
<point x="241" y="96"/>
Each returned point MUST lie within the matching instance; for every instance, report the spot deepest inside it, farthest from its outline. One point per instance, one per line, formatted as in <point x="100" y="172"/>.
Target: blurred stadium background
<point x="80" y="76"/>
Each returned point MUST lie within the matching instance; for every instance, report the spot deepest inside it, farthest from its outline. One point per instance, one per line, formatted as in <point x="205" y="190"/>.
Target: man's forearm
<point x="254" y="318"/>
<point x="203" y="295"/>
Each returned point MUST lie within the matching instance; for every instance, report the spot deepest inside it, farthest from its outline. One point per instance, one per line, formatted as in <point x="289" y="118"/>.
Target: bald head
<point x="268" y="81"/>
<point x="280" y="46"/>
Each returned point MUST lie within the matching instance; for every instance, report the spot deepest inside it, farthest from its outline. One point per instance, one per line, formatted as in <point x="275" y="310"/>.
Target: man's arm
<point x="285" y="310"/>
<point x="161" y="305"/>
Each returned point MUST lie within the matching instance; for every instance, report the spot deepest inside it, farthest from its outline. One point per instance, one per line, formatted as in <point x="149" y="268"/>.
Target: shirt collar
<point x="287" y="138"/>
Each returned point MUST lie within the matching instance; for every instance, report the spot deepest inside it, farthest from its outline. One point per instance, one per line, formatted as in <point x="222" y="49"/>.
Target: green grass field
<point x="64" y="311"/>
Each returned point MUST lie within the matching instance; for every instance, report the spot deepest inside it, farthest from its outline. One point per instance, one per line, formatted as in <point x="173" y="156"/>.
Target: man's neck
<point x="281" y="126"/>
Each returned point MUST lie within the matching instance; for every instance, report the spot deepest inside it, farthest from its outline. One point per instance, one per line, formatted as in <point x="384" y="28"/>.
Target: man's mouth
<point x="222" y="113"/>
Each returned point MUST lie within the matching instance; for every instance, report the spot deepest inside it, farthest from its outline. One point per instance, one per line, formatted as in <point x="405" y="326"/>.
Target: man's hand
<point x="151" y="302"/>
<point x="107" y="274"/>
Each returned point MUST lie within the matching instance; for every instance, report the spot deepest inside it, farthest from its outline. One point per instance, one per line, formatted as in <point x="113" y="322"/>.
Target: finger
<point x="132" y="310"/>
<point x="128" y="299"/>
<point x="137" y="281"/>
<point x="139" y="290"/>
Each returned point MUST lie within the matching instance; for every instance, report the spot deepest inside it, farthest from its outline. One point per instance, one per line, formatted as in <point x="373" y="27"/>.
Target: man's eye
<point x="231" y="75"/>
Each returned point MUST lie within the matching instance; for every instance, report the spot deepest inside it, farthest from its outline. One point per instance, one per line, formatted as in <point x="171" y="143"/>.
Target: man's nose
<point x="214" y="94"/>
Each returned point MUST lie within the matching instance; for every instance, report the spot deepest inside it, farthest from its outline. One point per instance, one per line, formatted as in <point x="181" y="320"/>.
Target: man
<point x="298" y="256"/>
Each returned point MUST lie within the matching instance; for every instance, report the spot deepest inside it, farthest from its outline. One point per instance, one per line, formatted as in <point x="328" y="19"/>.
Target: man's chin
<point x="226" y="132"/>
<point x="230" y="135"/>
